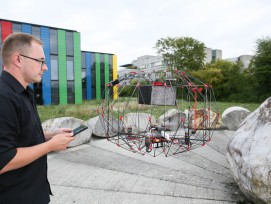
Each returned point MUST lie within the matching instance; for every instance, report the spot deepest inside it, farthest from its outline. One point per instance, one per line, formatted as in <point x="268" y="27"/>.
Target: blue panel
<point x="46" y="79"/>
<point x="26" y="28"/>
<point x="88" y="76"/>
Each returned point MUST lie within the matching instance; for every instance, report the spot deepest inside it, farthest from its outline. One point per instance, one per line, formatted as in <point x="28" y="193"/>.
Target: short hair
<point x="17" y="42"/>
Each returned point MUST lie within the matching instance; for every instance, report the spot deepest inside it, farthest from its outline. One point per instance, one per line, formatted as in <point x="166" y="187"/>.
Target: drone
<point x="158" y="113"/>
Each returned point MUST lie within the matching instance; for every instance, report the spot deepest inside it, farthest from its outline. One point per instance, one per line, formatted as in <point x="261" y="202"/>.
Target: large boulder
<point x="171" y="119"/>
<point x="138" y="121"/>
<point x="249" y="154"/>
<point x="232" y="117"/>
<point x="104" y="126"/>
<point x="69" y="122"/>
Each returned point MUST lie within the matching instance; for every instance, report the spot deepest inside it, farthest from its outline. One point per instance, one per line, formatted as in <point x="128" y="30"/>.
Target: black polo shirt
<point x="20" y="126"/>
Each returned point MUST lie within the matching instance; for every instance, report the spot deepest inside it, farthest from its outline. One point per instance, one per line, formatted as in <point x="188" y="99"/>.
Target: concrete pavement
<point x="101" y="173"/>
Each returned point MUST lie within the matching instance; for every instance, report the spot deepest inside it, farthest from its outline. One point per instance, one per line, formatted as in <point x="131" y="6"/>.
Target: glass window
<point x="55" y="92"/>
<point x="84" y="92"/>
<point x="54" y="67"/>
<point x="36" y="31"/>
<point x="70" y="85"/>
<point x="38" y="93"/>
<point x="93" y="80"/>
<point x="70" y="68"/>
<point x="69" y="43"/>
<point x="110" y="63"/>
<point x="16" y="27"/>
<point x="93" y="75"/>
<point x="53" y="41"/>
<point x="102" y="62"/>
<point x="83" y="59"/>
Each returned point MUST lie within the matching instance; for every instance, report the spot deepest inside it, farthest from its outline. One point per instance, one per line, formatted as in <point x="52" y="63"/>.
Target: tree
<point x="184" y="53"/>
<point x="226" y="78"/>
<point x="260" y="68"/>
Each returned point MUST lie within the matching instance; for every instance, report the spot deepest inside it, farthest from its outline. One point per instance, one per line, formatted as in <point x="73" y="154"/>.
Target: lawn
<point x="88" y="109"/>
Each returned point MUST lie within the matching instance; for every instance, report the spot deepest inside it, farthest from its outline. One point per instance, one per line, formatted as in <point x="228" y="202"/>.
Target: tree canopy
<point x="184" y="53"/>
<point x="226" y="78"/>
<point x="260" y="68"/>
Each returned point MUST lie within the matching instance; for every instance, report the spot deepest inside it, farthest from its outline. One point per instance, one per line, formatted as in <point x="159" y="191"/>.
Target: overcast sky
<point x="130" y="28"/>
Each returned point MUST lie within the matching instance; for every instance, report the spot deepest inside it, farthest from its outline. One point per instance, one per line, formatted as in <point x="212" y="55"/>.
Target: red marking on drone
<point x="157" y="83"/>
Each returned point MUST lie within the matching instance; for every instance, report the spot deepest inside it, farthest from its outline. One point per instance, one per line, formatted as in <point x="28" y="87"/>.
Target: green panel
<point x="62" y="67"/>
<point x="106" y="72"/>
<point x="106" y="69"/>
<point x="77" y="69"/>
<point x="98" y="75"/>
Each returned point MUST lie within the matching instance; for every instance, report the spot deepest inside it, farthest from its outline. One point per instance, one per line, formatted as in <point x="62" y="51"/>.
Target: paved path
<point x="101" y="172"/>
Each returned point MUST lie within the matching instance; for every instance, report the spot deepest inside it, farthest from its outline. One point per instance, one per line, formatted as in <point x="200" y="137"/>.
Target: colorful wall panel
<point x="98" y="75"/>
<point x="115" y="76"/>
<point x="66" y="81"/>
<point x="62" y="64"/>
<point x="77" y="69"/>
<point x="46" y="79"/>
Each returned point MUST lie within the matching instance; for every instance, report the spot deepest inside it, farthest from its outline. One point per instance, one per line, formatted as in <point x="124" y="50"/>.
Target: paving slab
<point x="101" y="172"/>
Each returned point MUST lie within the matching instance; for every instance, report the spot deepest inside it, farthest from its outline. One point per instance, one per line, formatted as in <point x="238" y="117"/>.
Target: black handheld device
<point x="79" y="129"/>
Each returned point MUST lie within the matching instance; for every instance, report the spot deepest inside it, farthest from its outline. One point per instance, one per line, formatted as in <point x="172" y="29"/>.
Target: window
<point x="70" y="85"/>
<point x="53" y="41"/>
<point x="54" y="67"/>
<point x="55" y="92"/>
<point x="70" y="71"/>
<point x="16" y="27"/>
<point x="83" y="59"/>
<point x="84" y="89"/>
<point x="36" y="31"/>
<point x="69" y="43"/>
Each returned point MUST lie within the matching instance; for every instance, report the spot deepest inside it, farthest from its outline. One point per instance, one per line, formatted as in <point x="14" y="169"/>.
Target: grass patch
<point x="87" y="109"/>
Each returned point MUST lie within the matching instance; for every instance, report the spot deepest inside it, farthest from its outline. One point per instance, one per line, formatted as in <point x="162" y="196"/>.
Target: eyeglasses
<point x="42" y="62"/>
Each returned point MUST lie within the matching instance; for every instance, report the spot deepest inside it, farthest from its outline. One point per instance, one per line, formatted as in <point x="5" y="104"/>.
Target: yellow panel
<point x="115" y="76"/>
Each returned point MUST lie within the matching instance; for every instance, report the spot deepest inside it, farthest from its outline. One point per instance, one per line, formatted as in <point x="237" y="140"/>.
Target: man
<point x="23" y="144"/>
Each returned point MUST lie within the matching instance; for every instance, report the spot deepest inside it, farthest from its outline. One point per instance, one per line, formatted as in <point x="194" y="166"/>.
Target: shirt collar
<point x="13" y="82"/>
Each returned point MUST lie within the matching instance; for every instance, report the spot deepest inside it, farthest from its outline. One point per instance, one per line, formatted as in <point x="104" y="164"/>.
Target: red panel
<point x="6" y="29"/>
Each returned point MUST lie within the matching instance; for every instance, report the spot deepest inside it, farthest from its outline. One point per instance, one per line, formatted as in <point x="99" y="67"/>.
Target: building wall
<point x="97" y="71"/>
<point x="245" y="59"/>
<point x="69" y="78"/>
<point x="208" y="57"/>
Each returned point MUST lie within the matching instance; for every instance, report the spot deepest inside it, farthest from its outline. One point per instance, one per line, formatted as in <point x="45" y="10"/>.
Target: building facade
<point x="73" y="75"/>
<point x="212" y="55"/>
<point x="150" y="63"/>
<point x="245" y="59"/>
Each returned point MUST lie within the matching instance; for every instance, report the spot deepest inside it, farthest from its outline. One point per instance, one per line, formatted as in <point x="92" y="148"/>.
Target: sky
<point x="130" y="28"/>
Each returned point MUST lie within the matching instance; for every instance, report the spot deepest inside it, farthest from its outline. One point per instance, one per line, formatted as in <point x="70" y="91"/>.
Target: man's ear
<point x="16" y="59"/>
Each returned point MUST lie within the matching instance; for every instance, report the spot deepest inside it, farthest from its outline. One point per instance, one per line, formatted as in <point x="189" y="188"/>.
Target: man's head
<point x="17" y="42"/>
<point x="23" y="57"/>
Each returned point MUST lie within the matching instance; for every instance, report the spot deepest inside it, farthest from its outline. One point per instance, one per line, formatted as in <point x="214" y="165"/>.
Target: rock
<point x="249" y="154"/>
<point x="138" y="121"/>
<point x="69" y="122"/>
<point x="171" y="119"/>
<point x="101" y="125"/>
<point x="232" y="117"/>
